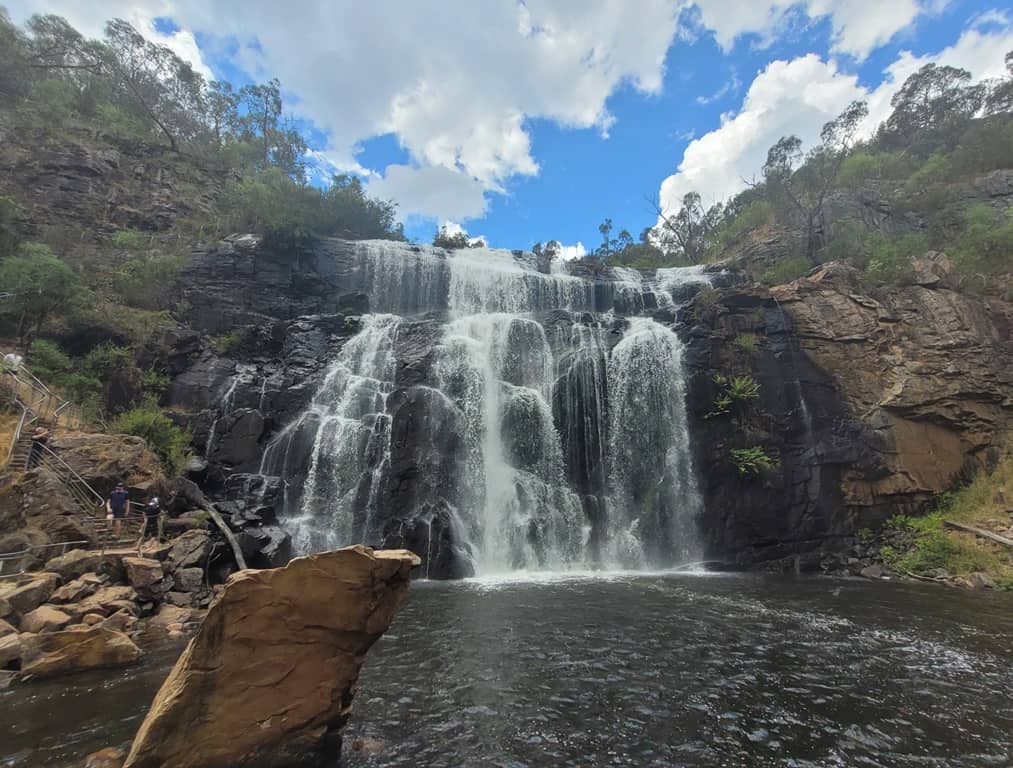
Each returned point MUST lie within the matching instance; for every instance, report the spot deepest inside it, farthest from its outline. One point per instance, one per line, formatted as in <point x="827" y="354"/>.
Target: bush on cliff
<point x="273" y="204"/>
<point x="42" y="286"/>
<point x="168" y="441"/>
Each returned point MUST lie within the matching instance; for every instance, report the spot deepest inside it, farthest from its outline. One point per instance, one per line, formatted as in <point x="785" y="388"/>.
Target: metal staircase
<point x="42" y="408"/>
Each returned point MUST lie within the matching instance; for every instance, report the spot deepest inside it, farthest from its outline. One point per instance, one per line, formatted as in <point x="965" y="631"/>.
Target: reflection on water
<point x="637" y="670"/>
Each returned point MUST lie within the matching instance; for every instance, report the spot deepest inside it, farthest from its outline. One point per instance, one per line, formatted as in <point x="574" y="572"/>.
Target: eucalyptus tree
<point x="802" y="181"/>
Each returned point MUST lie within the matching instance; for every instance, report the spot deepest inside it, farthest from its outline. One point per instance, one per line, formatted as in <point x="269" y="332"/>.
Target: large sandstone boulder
<point x="284" y="644"/>
<point x="26" y="597"/>
<point x="190" y="550"/>
<point x="61" y="653"/>
<point x="146" y="576"/>
<point x="75" y="564"/>
<point x="103" y="460"/>
<point x="10" y="650"/>
<point x="45" y="618"/>
<point x="78" y="589"/>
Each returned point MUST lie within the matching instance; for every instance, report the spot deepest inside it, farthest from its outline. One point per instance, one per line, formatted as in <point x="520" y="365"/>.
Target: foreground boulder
<point x="269" y="678"/>
<point x="29" y="595"/>
<point x="60" y="653"/>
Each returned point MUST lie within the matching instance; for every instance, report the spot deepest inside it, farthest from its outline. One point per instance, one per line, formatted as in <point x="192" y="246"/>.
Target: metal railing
<point x="45" y="404"/>
<point x="89" y="501"/>
<point x="13" y="564"/>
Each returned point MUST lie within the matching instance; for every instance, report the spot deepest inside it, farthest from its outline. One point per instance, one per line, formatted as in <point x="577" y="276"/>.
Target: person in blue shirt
<point x="116" y="507"/>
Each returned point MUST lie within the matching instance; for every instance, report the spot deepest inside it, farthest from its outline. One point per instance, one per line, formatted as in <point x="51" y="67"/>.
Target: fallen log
<point x="979" y="532"/>
<point x="229" y="536"/>
<point x="933" y="579"/>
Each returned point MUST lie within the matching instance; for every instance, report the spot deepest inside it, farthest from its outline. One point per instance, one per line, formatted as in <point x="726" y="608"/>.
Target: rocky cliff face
<point x="872" y="406"/>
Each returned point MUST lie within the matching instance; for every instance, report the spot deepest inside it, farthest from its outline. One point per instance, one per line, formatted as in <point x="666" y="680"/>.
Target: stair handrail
<point x="22" y="555"/>
<point x="51" y="455"/>
<point x="23" y="420"/>
<point x="45" y="400"/>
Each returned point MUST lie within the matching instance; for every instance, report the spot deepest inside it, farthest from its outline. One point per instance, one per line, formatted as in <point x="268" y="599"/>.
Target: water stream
<point x="631" y="670"/>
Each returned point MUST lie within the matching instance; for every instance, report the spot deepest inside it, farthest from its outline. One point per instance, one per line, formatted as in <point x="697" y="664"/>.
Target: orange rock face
<point x="269" y="678"/>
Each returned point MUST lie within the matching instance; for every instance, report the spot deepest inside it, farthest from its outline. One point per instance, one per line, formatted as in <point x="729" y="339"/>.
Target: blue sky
<point x="528" y="120"/>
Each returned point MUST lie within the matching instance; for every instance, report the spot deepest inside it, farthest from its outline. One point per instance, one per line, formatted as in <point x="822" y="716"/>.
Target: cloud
<point x="455" y="80"/>
<point x="571" y="252"/>
<point x="432" y="191"/>
<point x="453" y="228"/>
<point x="859" y="26"/>
<point x="732" y="85"/>
<point x="798" y="97"/>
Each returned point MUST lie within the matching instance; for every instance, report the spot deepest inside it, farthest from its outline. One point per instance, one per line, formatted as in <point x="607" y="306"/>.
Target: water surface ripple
<point x="635" y="670"/>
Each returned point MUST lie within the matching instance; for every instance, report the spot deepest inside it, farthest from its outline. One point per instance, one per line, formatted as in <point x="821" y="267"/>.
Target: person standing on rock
<point x="116" y="507"/>
<point x="152" y="519"/>
<point x="39" y="439"/>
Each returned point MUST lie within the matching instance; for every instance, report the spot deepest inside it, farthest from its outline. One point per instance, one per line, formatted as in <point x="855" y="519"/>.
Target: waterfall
<point x="653" y="501"/>
<point x="543" y="426"/>
<point x="498" y="369"/>
<point x="352" y="445"/>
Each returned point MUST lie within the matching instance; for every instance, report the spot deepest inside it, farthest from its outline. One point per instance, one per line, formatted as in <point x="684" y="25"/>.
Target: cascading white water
<point x="498" y="369"/>
<point x="485" y="280"/>
<point x="352" y="445"/>
<point x="569" y="448"/>
<point x="653" y="500"/>
<point x="669" y="281"/>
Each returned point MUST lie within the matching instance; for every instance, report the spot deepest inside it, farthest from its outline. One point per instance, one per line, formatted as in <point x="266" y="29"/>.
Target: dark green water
<point x="637" y="670"/>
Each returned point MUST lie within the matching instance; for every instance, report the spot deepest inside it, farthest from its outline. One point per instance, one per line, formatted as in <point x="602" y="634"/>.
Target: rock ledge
<point x="268" y="680"/>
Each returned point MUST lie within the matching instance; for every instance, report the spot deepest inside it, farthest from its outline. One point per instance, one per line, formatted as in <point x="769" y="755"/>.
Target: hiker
<point x="152" y="519"/>
<point x="116" y="507"/>
<point x="39" y="439"/>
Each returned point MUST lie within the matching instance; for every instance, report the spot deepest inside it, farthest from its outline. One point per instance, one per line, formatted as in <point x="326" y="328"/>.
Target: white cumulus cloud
<point x="798" y="97"/>
<point x="455" y="80"/>
<point x="431" y="191"/>
<point x="859" y="26"/>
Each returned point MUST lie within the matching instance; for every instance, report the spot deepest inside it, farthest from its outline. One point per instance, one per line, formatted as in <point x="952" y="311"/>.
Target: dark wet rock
<point x="858" y="405"/>
<point x="237" y="438"/>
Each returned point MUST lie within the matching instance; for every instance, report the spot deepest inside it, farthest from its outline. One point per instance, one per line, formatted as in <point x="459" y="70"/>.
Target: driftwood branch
<point x="934" y="579"/>
<point x="229" y="536"/>
<point x="979" y="532"/>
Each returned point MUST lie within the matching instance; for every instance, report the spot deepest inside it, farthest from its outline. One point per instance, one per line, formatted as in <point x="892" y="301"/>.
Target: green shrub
<point x="56" y="99"/>
<point x="169" y="442"/>
<point x="228" y="342"/>
<point x="858" y="167"/>
<point x="147" y="283"/>
<point x="786" y="270"/>
<point x="900" y="523"/>
<point x="706" y="298"/>
<point x="153" y="384"/>
<point x="734" y="394"/>
<point x="119" y="122"/>
<point x="745" y="342"/>
<point x="752" y="461"/>
<point x="890" y="257"/>
<point x="936" y="168"/>
<point x="985" y="246"/>
<point x="105" y="360"/>
<point x="129" y="240"/>
<point x="46" y="360"/>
